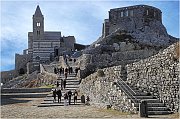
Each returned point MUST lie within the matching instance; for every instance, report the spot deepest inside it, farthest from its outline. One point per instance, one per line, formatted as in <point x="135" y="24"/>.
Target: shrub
<point x="100" y="73"/>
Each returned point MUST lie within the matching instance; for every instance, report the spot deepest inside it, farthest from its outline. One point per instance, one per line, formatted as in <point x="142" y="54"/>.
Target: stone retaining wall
<point x="158" y="75"/>
<point x="46" y="78"/>
<point x="25" y="90"/>
<point x="102" y="92"/>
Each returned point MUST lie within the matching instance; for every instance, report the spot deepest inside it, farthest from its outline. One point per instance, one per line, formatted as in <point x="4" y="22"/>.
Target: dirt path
<point x="29" y="109"/>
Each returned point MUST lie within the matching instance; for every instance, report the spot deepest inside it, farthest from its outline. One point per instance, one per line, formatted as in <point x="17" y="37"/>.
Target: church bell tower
<point x="38" y="25"/>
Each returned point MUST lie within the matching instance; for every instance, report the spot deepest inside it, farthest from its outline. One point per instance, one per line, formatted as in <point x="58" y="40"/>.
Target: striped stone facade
<point x="44" y="46"/>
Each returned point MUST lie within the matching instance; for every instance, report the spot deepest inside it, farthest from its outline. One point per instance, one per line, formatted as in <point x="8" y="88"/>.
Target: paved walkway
<point x="29" y="109"/>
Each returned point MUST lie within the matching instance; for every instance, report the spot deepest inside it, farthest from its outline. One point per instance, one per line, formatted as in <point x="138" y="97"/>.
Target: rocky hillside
<point x="130" y="40"/>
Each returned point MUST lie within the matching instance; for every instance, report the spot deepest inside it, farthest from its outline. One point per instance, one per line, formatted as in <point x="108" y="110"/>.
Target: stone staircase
<point x="7" y="93"/>
<point x="71" y="84"/>
<point x="155" y="106"/>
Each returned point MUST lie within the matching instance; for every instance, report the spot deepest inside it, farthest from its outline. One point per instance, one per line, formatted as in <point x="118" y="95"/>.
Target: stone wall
<point x="158" y="75"/>
<point x="8" y="75"/>
<point x="21" y="62"/>
<point x="102" y="91"/>
<point x="91" y="62"/>
<point x="45" y="77"/>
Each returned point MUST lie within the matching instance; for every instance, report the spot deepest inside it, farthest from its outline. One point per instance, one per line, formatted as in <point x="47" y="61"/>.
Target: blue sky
<point x="83" y="19"/>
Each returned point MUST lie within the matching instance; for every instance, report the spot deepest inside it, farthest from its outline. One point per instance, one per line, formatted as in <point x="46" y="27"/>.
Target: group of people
<point x="63" y="70"/>
<point x="66" y="71"/>
<point x="67" y="96"/>
<point x="63" y="84"/>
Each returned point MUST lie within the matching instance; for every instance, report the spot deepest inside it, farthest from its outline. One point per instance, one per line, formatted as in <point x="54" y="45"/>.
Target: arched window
<point x="21" y="71"/>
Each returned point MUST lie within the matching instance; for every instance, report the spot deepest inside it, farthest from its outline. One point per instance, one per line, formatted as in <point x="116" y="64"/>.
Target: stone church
<point x="43" y="48"/>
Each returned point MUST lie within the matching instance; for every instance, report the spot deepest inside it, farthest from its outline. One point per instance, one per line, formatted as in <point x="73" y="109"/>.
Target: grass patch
<point x="48" y="86"/>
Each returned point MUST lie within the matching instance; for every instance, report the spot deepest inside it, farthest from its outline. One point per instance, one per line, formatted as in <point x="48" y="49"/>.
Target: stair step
<point x="149" y="100"/>
<point x="62" y="102"/>
<point x="141" y="94"/>
<point x="24" y="95"/>
<point x="151" y="105"/>
<point x="144" y="97"/>
<point x="159" y="112"/>
<point x="61" y="99"/>
<point x="156" y="109"/>
<point x="57" y="104"/>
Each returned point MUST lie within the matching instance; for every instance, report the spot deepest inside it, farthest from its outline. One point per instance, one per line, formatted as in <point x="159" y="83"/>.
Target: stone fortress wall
<point x="157" y="75"/>
<point x="140" y="14"/>
<point x="21" y="61"/>
<point x="8" y="75"/>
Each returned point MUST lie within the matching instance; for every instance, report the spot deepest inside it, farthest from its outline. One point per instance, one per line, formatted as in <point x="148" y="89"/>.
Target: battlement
<point x="133" y="16"/>
<point x="140" y="11"/>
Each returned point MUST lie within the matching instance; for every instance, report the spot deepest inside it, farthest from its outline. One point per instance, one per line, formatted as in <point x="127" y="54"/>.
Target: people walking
<point x="65" y="99"/>
<point x="69" y="96"/>
<point x="66" y="69"/>
<point x="64" y="83"/>
<point x="69" y="70"/>
<point x="59" y="94"/>
<point x="75" y="96"/>
<point x="54" y="95"/>
<point x="87" y="100"/>
<point x="60" y="70"/>
<point x="57" y="84"/>
<point x="65" y="75"/>
<point x="55" y="70"/>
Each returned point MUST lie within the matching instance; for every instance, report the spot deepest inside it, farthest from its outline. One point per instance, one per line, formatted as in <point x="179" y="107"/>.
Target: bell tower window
<point x="38" y="24"/>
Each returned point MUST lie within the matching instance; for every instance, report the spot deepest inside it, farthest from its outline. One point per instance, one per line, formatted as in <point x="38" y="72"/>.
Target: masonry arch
<point x="21" y="71"/>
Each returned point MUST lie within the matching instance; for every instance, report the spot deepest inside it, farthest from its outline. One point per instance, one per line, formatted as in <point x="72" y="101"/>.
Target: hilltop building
<point x="43" y="48"/>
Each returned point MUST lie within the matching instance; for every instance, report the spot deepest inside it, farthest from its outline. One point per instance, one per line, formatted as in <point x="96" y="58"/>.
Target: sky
<point x="82" y="19"/>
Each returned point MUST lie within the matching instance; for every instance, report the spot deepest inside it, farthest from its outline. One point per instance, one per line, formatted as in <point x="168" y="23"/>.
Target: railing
<point x="133" y="98"/>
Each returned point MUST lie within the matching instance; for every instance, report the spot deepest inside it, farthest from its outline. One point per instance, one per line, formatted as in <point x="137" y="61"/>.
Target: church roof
<point x="38" y="11"/>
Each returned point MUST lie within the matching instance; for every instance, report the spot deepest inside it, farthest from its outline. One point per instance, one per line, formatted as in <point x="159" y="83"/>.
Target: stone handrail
<point x="133" y="98"/>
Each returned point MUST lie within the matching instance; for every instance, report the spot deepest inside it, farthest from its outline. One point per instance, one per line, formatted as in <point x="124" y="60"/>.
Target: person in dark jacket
<point x="65" y="75"/>
<point x="55" y="70"/>
<point x="54" y="95"/>
<point x="65" y="99"/>
<point x="57" y="84"/>
<point x="60" y="70"/>
<point x="69" y="96"/>
<point x="59" y="94"/>
<point x="64" y="83"/>
<point x="75" y="96"/>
